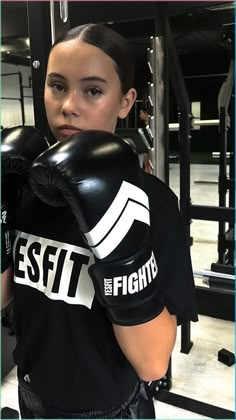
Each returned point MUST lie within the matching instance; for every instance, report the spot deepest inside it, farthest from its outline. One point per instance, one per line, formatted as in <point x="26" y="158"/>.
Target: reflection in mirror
<point x="17" y="103"/>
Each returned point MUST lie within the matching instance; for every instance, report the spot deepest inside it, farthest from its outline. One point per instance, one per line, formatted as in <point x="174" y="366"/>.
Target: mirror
<point x="17" y="104"/>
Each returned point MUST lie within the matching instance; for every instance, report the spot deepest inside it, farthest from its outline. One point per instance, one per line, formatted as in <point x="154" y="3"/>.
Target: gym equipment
<point x="216" y="155"/>
<point x="157" y="97"/>
<point x="215" y="279"/>
<point x="226" y="357"/>
<point x="195" y="122"/>
<point x="140" y="138"/>
<point x="226" y="184"/>
<point x="186" y="122"/>
<point x="208" y="273"/>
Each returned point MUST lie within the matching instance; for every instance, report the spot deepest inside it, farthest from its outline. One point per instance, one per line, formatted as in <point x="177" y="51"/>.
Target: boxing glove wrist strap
<point x="6" y="246"/>
<point x="129" y="289"/>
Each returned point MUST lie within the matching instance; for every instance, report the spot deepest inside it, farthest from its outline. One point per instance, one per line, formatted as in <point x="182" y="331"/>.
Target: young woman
<point x="75" y="361"/>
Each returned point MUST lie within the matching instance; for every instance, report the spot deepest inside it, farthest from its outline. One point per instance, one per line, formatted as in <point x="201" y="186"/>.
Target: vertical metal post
<point x="222" y="183"/>
<point x="52" y="21"/>
<point x="21" y="98"/>
<point x="231" y="251"/>
<point x="40" y="44"/>
<point x="231" y="176"/>
<point x="182" y="99"/>
<point x="160" y="153"/>
<point x="223" y="104"/>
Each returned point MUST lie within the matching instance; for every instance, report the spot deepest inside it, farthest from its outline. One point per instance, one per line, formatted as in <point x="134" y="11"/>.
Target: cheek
<point x="46" y="101"/>
<point x="50" y="110"/>
<point x="50" y="104"/>
<point x="106" y="117"/>
<point x="110" y="108"/>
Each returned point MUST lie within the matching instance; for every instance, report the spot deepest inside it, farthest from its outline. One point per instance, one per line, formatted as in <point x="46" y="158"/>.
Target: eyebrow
<point x="56" y="75"/>
<point x="83" y="79"/>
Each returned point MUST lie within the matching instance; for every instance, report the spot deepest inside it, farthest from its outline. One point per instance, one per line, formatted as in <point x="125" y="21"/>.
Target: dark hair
<point x="111" y="43"/>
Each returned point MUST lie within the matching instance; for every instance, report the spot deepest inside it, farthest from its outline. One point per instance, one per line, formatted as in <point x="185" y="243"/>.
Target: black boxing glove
<point x="19" y="148"/>
<point x="98" y="175"/>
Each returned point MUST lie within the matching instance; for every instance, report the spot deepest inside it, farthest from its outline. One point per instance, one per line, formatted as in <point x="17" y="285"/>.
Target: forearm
<point x="148" y="346"/>
<point x="7" y="287"/>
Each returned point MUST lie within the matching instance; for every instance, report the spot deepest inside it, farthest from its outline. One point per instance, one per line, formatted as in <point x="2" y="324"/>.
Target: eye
<point x="93" y="91"/>
<point x="57" y="87"/>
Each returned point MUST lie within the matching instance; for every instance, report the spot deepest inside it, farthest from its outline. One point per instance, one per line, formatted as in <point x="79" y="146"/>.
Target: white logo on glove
<point x="130" y="204"/>
<point x="134" y="283"/>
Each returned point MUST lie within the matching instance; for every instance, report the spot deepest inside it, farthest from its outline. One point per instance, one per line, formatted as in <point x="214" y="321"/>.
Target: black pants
<point x="137" y="406"/>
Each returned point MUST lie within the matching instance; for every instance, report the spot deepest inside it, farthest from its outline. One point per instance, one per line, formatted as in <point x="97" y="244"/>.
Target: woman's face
<point x="83" y="91"/>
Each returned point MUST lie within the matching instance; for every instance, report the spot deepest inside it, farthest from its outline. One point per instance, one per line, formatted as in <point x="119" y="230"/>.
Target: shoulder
<point x="158" y="192"/>
<point x="165" y="215"/>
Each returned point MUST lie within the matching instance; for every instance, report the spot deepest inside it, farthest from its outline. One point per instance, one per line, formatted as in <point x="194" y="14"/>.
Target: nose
<point x="71" y="104"/>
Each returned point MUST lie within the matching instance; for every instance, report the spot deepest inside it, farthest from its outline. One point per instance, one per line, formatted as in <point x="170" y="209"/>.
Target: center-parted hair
<point x="111" y="43"/>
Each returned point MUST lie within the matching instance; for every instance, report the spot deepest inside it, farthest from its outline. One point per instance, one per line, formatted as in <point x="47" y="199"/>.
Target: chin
<point x="59" y="137"/>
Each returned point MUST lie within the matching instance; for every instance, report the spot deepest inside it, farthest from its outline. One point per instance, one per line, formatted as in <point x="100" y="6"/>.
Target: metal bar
<point x="52" y="20"/>
<point x="223" y="284"/>
<point x="222" y="178"/>
<point x="182" y="99"/>
<point x="203" y="123"/>
<point x="195" y="122"/>
<point x="9" y="74"/>
<point x="217" y="154"/>
<point x="222" y="303"/>
<point x="212" y="213"/>
<point x="21" y="98"/>
<point x="63" y="10"/>
<point x="195" y="406"/>
<point x="230" y="185"/>
<point x="158" y="95"/>
<point x="40" y="44"/>
<point x="220" y="268"/>
<point x="208" y="273"/>
<point x="225" y="255"/>
<point x="227" y="89"/>
<point x="200" y="76"/>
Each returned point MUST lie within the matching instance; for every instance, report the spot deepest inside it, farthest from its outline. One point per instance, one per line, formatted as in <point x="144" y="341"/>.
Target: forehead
<point x="76" y="56"/>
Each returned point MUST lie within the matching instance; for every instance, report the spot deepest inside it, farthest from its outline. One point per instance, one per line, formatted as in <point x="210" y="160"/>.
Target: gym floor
<point x="197" y="375"/>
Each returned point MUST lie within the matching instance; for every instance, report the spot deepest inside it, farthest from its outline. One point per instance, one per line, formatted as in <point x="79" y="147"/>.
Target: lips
<point x="68" y="130"/>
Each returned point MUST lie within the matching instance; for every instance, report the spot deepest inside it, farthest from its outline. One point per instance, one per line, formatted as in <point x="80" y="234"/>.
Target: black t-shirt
<point x="65" y="341"/>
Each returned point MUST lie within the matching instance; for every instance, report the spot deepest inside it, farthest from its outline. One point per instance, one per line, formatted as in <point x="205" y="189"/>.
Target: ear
<point x="127" y="102"/>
